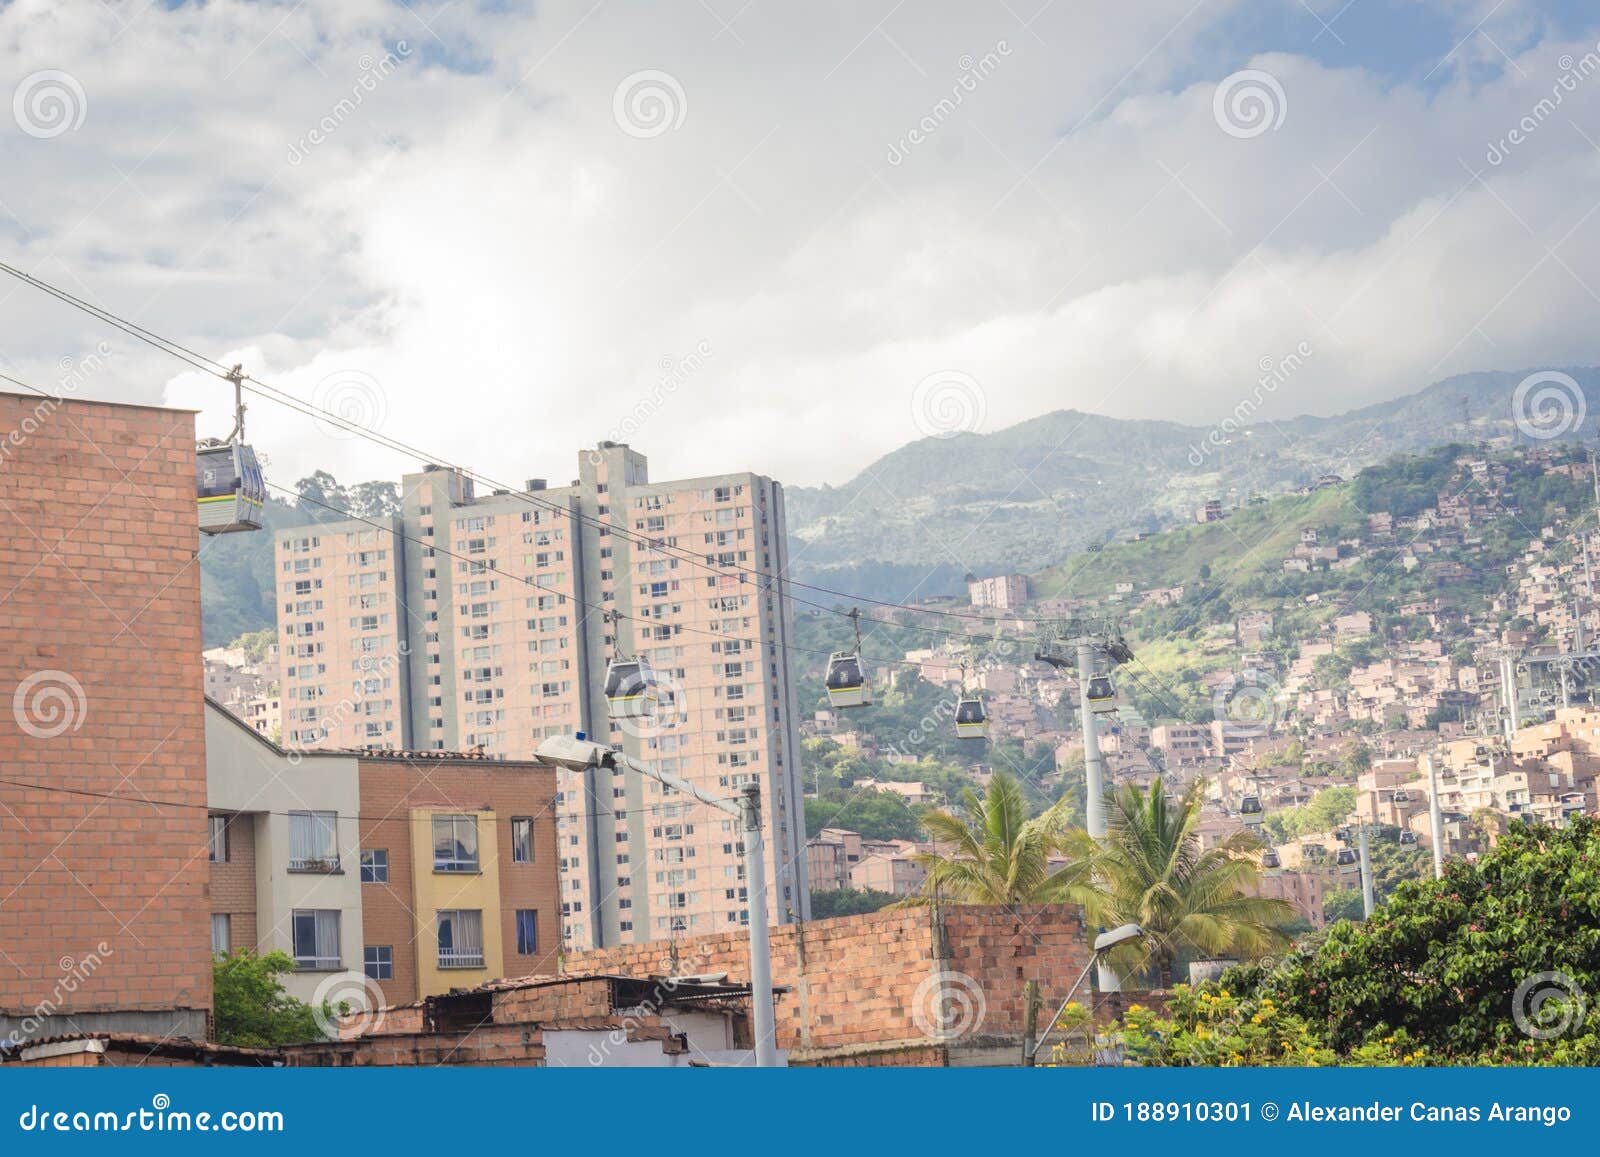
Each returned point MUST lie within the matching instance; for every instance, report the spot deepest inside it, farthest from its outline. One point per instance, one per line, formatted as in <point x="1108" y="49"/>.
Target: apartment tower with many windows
<point x="486" y="621"/>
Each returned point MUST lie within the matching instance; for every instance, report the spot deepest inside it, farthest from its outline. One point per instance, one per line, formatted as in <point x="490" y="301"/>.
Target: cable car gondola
<point x="1271" y="859"/>
<point x="229" y="488"/>
<point x="630" y="689"/>
<point x="1408" y="837"/>
<point x="1102" y="695"/>
<point x="1250" y="811"/>
<point x="1345" y="858"/>
<point x="1401" y="795"/>
<point x="847" y="674"/>
<point x="972" y="721"/>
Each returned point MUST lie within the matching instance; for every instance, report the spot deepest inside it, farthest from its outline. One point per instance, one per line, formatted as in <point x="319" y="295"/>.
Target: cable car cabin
<point x="847" y="680"/>
<point x="630" y="689"/>
<point x="1250" y="811"/>
<point x="1102" y="695"/>
<point x="972" y="722"/>
<point x="1408" y="837"/>
<point x="1271" y="859"/>
<point x="229" y="488"/>
<point x="1345" y="858"/>
<point x="1402" y="796"/>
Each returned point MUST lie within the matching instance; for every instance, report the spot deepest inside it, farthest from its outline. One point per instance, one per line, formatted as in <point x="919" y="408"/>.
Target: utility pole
<point x="1436" y="819"/>
<point x="1094" y="765"/>
<point x="1366" y="872"/>
<point x="1030" y="1021"/>
<point x="578" y="753"/>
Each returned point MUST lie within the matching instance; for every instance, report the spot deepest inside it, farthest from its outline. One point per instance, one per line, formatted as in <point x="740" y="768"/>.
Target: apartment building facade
<point x="100" y="613"/>
<point x="419" y="874"/>
<point x="486" y="621"/>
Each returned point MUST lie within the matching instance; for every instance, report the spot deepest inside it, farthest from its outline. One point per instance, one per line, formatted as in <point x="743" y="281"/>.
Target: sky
<point x="789" y="237"/>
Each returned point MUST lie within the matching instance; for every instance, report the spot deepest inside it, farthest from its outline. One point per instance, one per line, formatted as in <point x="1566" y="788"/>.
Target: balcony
<point x="461" y="959"/>
<point x="325" y="867"/>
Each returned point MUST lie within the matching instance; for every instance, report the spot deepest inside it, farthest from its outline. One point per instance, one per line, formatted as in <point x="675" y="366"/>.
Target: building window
<point x="375" y="866"/>
<point x="221" y="933"/>
<point x="455" y="843"/>
<point x="378" y="962"/>
<point x="461" y="938"/>
<point x="219" y="839"/>
<point x="527" y="932"/>
<point x="522" y="840"/>
<point x="316" y="938"/>
<point x="313" y="842"/>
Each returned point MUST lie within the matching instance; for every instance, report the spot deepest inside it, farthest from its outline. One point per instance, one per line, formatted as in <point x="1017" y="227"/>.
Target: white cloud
<point x="476" y="234"/>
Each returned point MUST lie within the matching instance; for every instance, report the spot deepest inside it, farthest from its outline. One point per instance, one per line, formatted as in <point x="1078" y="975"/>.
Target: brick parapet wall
<point x="882" y="978"/>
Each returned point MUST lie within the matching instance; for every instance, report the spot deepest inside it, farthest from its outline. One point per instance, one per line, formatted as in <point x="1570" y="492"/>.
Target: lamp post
<point x="579" y="753"/>
<point x="1103" y="943"/>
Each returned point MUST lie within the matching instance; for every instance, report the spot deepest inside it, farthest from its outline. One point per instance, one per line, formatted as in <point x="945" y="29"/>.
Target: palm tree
<point x="994" y="854"/>
<point x="1150" y="871"/>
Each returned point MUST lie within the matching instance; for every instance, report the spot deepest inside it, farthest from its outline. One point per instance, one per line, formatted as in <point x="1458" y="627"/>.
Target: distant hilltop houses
<point x="1474" y="690"/>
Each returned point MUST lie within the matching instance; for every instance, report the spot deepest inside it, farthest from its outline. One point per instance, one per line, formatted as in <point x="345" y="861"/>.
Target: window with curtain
<point x="527" y="932"/>
<point x="219" y="839"/>
<point x="522" y="840"/>
<point x="375" y="866"/>
<point x="455" y="843"/>
<point x="313" y="842"/>
<point x="461" y="938"/>
<point x="221" y="933"/>
<point x="316" y="938"/>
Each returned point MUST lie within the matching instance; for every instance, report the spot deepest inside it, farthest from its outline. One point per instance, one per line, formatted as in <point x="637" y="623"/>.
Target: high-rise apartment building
<point x="473" y="620"/>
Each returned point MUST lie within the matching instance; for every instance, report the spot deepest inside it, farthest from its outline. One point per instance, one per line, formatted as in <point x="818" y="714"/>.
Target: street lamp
<point x="1103" y="943"/>
<point x="579" y="753"/>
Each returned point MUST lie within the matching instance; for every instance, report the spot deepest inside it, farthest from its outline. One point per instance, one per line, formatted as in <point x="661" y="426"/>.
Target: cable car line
<point x="218" y="369"/>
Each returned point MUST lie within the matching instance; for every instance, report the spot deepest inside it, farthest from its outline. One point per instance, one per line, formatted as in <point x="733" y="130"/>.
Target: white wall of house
<point x="248" y="775"/>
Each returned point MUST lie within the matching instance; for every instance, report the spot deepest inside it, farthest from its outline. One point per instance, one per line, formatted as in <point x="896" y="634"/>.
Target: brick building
<point x="421" y="872"/>
<point x="100" y="613"/>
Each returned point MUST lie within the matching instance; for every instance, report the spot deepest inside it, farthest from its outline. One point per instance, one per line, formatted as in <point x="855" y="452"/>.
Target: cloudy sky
<point x="791" y="237"/>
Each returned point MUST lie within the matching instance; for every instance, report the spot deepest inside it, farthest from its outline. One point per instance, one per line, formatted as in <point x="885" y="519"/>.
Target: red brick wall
<point x="392" y="788"/>
<point x="869" y="980"/>
<point x="100" y="605"/>
<point x="233" y="884"/>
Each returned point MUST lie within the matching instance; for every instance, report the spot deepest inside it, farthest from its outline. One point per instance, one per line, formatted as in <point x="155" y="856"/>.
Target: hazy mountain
<point x="1026" y="497"/>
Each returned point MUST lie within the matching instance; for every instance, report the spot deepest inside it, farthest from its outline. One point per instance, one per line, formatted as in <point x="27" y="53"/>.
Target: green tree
<point x="251" y="1008"/>
<point x="994" y="854"/>
<point x="1151" y="871"/>
<point x="877" y="815"/>
<point x="845" y="902"/>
